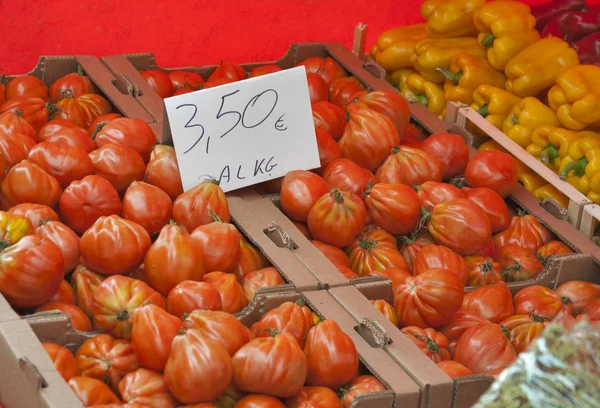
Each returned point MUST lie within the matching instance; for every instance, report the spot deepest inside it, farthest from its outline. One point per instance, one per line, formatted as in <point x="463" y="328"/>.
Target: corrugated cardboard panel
<point x="6" y="311"/>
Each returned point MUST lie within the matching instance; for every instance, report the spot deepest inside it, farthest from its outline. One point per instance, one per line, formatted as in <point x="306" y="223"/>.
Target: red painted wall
<point x="187" y="32"/>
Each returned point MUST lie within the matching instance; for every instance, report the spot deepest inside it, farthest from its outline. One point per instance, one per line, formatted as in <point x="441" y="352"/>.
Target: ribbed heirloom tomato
<point x="291" y="317"/>
<point x="221" y="327"/>
<point x="390" y="104"/>
<point x="345" y="175"/>
<point x="300" y="190"/>
<point x="437" y="256"/>
<point x="73" y="137"/>
<point x="553" y="248"/>
<point x="64" y="294"/>
<point x="196" y="206"/>
<point x="258" y="400"/>
<point x="314" y="396"/>
<point x="228" y="71"/>
<point x="484" y="348"/>
<point x="118" y="164"/>
<point x="79" y="319"/>
<point x="131" y="132"/>
<point x="63" y="360"/>
<point x="35" y="213"/>
<point x="26" y="85"/>
<point x="337" y="218"/>
<point x="147" y="206"/>
<point x="524" y="231"/>
<point x="233" y="297"/>
<point x="454" y="369"/>
<point x="159" y="82"/>
<point x="329" y="150"/>
<point x="328" y="68"/>
<point x="11" y="123"/>
<point x="82" y="109"/>
<point x="432" y="193"/>
<point x="459" y="323"/>
<point x="84" y="282"/>
<point x="317" y="88"/>
<point x="185" y="80"/>
<point x="65" y="163"/>
<point x="542" y="301"/>
<point x="146" y="388"/>
<point x="363" y="384"/>
<point x="393" y="207"/>
<point x="396" y="276"/>
<point x="101" y="121"/>
<point x="412" y="245"/>
<point x="492" y="302"/>
<point x="189" y="295"/>
<point x="496" y="170"/>
<point x="33" y="110"/>
<point x="335" y="255"/>
<point x="580" y="293"/>
<point x="329" y="118"/>
<point x="410" y="166"/>
<point x="518" y="264"/>
<point x="482" y="270"/>
<point x="432" y="343"/>
<point x="55" y="126"/>
<point x="173" y="258"/>
<point x="451" y="150"/>
<point x="341" y="90"/>
<point x="251" y="259"/>
<point x="492" y="204"/>
<point x="14" y="148"/>
<point x="162" y="171"/>
<point x="264" y="70"/>
<point x="523" y="330"/>
<point x="368" y="138"/>
<point x="263" y="278"/>
<point x="387" y="310"/>
<point x="374" y="250"/>
<point x="28" y="183"/>
<point x="91" y="391"/>
<point x="75" y="83"/>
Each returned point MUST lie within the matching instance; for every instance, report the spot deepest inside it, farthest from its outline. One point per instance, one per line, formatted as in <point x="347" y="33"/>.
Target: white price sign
<point x="246" y="132"/>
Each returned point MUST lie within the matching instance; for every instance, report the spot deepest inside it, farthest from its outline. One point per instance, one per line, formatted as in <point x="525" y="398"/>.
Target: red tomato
<point x="341" y="90"/>
<point x="118" y="164"/>
<point x="496" y="170"/>
<point x="396" y="276"/>
<point x="65" y="163"/>
<point x="33" y="110"/>
<point x="173" y="258"/>
<point x="63" y="360"/>
<point x="407" y="165"/>
<point x="523" y="330"/>
<point x="27" y="86"/>
<point x="482" y="270"/>
<point x="345" y="175"/>
<point x="12" y="123"/>
<point x="65" y="239"/>
<point x="387" y="310"/>
<point x="580" y="293"/>
<point x="91" y="391"/>
<point x="159" y="81"/>
<point x="86" y="200"/>
<point x="437" y="256"/>
<point x="55" y="126"/>
<point x="393" y="207"/>
<point x="461" y="226"/>
<point x="291" y="317"/>
<point x="492" y="204"/>
<point x="335" y="255"/>
<point x="303" y="228"/>
<point x="264" y="70"/>
<point x="592" y="311"/>
<point x="233" y="297"/>
<point x="329" y="150"/>
<point x="374" y="250"/>
<point x="451" y="150"/>
<point x="331" y="356"/>
<point x="196" y="206"/>
<point x="116" y="299"/>
<point x="114" y="246"/>
<point x="78" y="318"/>
<point x="73" y="137"/>
<point x="524" y="231"/>
<point x="251" y="259"/>
<point x="337" y="218"/>
<point x="489" y="251"/>
<point x="454" y="369"/>
<point x="330" y="118"/>
<point x="432" y="343"/>
<point x="147" y="206"/>
<point x="64" y="294"/>
<point x="31" y="259"/>
<point x="492" y="302"/>
<point x="207" y="366"/>
<point x="82" y="109"/>
<point x="186" y="80"/>
<point x="347" y="272"/>
<point x="440" y="289"/>
<point x="328" y="68"/>
<point x="107" y="359"/>
<point x="551" y="249"/>
<point x="84" y="282"/>
<point x="28" y="183"/>
<point x="75" y="83"/>
<point x="300" y="191"/>
<point x="162" y="171"/>
<point x="317" y="88"/>
<point x="542" y="301"/>
<point x="189" y="295"/>
<point x="263" y="278"/>
<point x="484" y="348"/>
<point x="314" y="397"/>
<point x="460" y="322"/>
<point x="37" y="214"/>
<point x="146" y="388"/>
<point x="101" y="121"/>
<point x="228" y="71"/>
<point x="518" y="264"/>
<point x="413" y="245"/>
<point x="363" y="384"/>
<point x="218" y="244"/>
<point x="368" y="138"/>
<point x="152" y="333"/>
<point x="131" y="132"/>
<point x="432" y="193"/>
<point x="390" y="104"/>
<point x="14" y="148"/>
<point x="221" y="327"/>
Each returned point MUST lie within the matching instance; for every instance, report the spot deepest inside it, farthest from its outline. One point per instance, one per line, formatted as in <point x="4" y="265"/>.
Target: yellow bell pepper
<point x="399" y="76"/>
<point x="394" y="47"/>
<point x="588" y="133"/>
<point x="491" y="145"/>
<point x="525" y="117"/>
<point x="549" y="191"/>
<point x="587" y="169"/>
<point x="431" y="54"/>
<point x="417" y="89"/>
<point x="550" y="144"/>
<point x="450" y="18"/>
<point x="505" y="28"/>
<point x="576" y="97"/>
<point x="466" y="73"/>
<point x="535" y="68"/>
<point x="493" y="103"/>
<point x="577" y="151"/>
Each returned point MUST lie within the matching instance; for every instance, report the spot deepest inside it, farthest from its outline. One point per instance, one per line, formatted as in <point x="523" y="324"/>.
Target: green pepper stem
<point x="483" y="111"/>
<point x="422" y="99"/>
<point x="577" y="167"/>
<point x="514" y="119"/>
<point x="488" y="40"/>
<point x="549" y="154"/>
<point x="454" y="78"/>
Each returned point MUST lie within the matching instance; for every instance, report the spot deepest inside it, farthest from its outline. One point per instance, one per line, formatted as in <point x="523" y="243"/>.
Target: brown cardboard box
<point x="128" y="65"/>
<point x="6" y="312"/>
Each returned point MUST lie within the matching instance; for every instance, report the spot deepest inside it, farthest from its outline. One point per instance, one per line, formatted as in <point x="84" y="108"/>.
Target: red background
<point x="187" y="32"/>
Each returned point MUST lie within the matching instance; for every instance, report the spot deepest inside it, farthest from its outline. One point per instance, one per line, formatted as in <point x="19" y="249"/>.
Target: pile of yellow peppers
<point x="488" y="55"/>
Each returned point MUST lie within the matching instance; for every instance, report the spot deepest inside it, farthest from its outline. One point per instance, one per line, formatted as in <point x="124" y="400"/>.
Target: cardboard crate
<point x="481" y="130"/>
<point x="116" y="88"/>
<point x="20" y="341"/>
<point x="368" y="72"/>
<point x="590" y="221"/>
